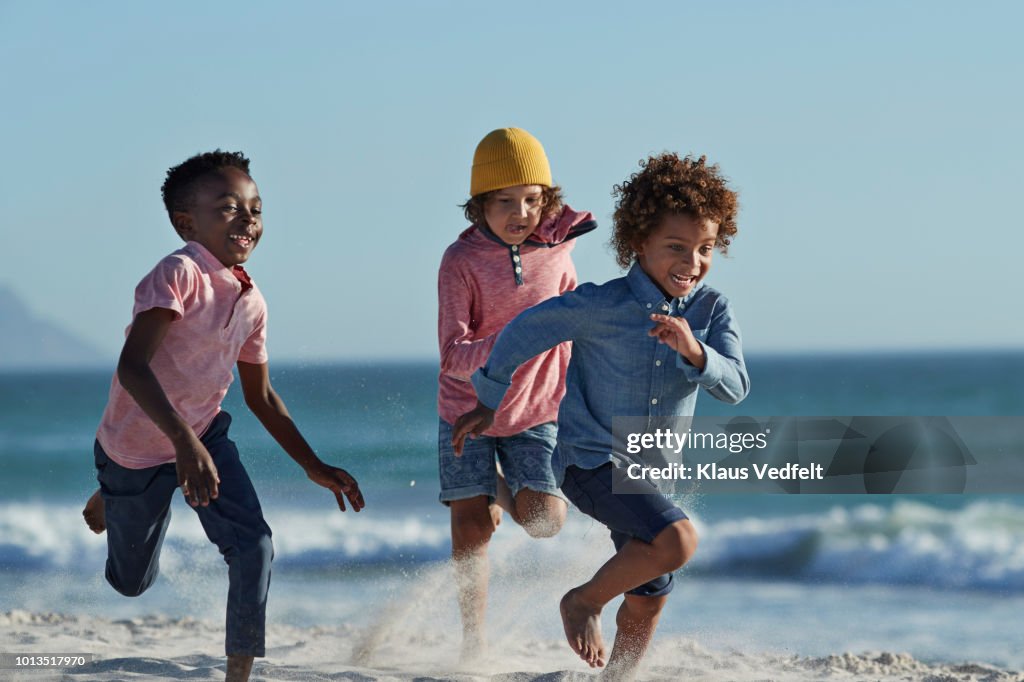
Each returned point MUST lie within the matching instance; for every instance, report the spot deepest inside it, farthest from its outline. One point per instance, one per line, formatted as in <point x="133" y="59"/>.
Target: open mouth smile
<point x="243" y="240"/>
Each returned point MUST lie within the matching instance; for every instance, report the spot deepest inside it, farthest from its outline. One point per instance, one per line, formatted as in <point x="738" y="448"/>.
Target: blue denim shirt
<point x="617" y="369"/>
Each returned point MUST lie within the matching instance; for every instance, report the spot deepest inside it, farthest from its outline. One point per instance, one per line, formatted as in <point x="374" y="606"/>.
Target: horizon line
<point x="293" y="362"/>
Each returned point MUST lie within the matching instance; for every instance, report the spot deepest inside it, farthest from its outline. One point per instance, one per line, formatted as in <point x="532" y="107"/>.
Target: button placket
<point x="657" y="377"/>
<point x="517" y="267"/>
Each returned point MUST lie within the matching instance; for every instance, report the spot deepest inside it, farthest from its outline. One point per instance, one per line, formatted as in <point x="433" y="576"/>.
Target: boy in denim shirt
<point x="642" y="346"/>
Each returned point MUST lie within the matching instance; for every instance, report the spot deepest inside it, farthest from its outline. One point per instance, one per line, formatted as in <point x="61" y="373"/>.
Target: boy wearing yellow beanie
<point x="515" y="254"/>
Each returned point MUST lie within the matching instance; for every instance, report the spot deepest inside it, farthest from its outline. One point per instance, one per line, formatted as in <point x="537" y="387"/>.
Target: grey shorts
<point x="627" y="516"/>
<point x="525" y="461"/>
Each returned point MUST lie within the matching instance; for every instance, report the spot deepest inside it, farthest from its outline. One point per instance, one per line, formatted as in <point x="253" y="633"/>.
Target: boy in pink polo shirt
<point x="515" y="255"/>
<point x="197" y="314"/>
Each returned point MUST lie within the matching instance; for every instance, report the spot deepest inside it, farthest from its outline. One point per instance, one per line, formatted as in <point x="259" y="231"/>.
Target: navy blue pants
<point x="641" y="513"/>
<point x="138" y="510"/>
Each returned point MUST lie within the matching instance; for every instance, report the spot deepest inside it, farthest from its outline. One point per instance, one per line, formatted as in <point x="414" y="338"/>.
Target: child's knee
<point x="129" y="587"/>
<point x="544" y="527"/>
<point x="261" y="552"/>
<point x="677" y="544"/>
<point x="545" y="517"/>
<point x="473" y="526"/>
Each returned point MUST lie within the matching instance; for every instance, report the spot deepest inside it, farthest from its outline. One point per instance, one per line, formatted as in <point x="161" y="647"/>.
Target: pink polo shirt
<point x="220" y="318"/>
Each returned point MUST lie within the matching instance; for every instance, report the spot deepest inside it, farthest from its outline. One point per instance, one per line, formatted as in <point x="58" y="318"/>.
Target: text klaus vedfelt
<point x="667" y="440"/>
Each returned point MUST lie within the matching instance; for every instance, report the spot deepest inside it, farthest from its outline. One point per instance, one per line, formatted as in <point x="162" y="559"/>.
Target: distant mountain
<point x="31" y="342"/>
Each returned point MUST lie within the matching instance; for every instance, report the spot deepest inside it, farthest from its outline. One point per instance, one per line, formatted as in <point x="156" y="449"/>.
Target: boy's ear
<point x="182" y="222"/>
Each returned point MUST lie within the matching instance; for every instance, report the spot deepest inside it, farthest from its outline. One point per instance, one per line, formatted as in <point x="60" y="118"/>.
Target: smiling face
<point x="513" y="213"/>
<point x="225" y="216"/>
<point x="676" y="254"/>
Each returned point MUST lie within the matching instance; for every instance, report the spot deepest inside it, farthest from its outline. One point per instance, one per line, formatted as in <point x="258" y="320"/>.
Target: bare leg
<point x="635" y="624"/>
<point x="473" y="522"/>
<point x="95" y="514"/>
<point x="540" y="514"/>
<point x="504" y="495"/>
<point x="636" y="563"/>
<point x="239" y="668"/>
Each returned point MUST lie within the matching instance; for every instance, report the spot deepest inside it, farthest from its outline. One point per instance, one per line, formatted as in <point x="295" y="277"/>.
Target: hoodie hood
<point x="565" y="225"/>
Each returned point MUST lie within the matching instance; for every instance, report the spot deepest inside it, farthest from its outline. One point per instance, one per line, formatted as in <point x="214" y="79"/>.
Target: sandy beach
<point x="163" y="648"/>
<point x="785" y="588"/>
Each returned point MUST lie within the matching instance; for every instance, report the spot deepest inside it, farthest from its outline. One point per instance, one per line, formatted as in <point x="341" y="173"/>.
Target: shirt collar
<point x="648" y="293"/>
<point x="202" y="254"/>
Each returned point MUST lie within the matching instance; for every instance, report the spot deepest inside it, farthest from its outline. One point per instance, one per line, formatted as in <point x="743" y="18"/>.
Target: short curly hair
<point x="473" y="209"/>
<point x="668" y="185"/>
<point x="180" y="185"/>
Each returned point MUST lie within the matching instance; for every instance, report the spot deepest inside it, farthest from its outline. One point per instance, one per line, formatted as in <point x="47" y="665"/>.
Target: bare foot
<point x="582" y="624"/>
<point x="239" y="668"/>
<point x="95" y="514"/>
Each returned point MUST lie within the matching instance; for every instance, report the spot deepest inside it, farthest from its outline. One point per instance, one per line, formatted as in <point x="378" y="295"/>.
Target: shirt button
<point x="518" y="269"/>
<point x="654" y="401"/>
<point x="515" y="248"/>
<point x="664" y="307"/>
<point x="648" y="306"/>
<point x="657" y="363"/>
<point x="515" y="259"/>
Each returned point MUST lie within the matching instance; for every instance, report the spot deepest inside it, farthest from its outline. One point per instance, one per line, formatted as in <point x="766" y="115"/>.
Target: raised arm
<point x="268" y="407"/>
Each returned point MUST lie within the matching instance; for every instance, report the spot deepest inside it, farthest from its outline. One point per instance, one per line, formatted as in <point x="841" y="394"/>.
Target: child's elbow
<point x="257" y="401"/>
<point x="455" y="365"/>
<point x="252" y="402"/>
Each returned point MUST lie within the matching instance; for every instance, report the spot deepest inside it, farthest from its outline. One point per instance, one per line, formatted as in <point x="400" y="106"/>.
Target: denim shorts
<point x="627" y="516"/>
<point x="525" y="461"/>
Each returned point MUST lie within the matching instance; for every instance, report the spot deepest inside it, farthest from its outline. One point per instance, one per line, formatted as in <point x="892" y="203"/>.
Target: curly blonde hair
<point x="667" y="185"/>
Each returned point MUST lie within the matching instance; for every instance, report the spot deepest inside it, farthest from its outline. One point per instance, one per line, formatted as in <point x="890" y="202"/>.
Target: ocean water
<point x="940" y="577"/>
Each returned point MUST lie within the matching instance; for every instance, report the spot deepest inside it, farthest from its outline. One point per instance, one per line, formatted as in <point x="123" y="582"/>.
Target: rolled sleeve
<point x="489" y="391"/>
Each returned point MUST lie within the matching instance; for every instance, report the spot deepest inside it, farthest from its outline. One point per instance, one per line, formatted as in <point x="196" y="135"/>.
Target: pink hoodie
<point x="483" y="283"/>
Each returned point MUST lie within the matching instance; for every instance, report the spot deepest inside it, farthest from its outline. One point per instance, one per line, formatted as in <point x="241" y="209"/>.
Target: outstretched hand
<point x="339" y="482"/>
<point x="676" y="334"/>
<point x="472" y="424"/>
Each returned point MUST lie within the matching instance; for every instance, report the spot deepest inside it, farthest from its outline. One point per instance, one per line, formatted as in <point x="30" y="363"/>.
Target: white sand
<point x="162" y="648"/>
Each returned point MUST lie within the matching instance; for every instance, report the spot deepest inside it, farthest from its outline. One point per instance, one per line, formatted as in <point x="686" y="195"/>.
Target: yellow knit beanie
<point x="507" y="157"/>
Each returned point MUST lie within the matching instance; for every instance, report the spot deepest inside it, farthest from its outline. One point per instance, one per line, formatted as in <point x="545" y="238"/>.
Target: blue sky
<point x="876" y="147"/>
